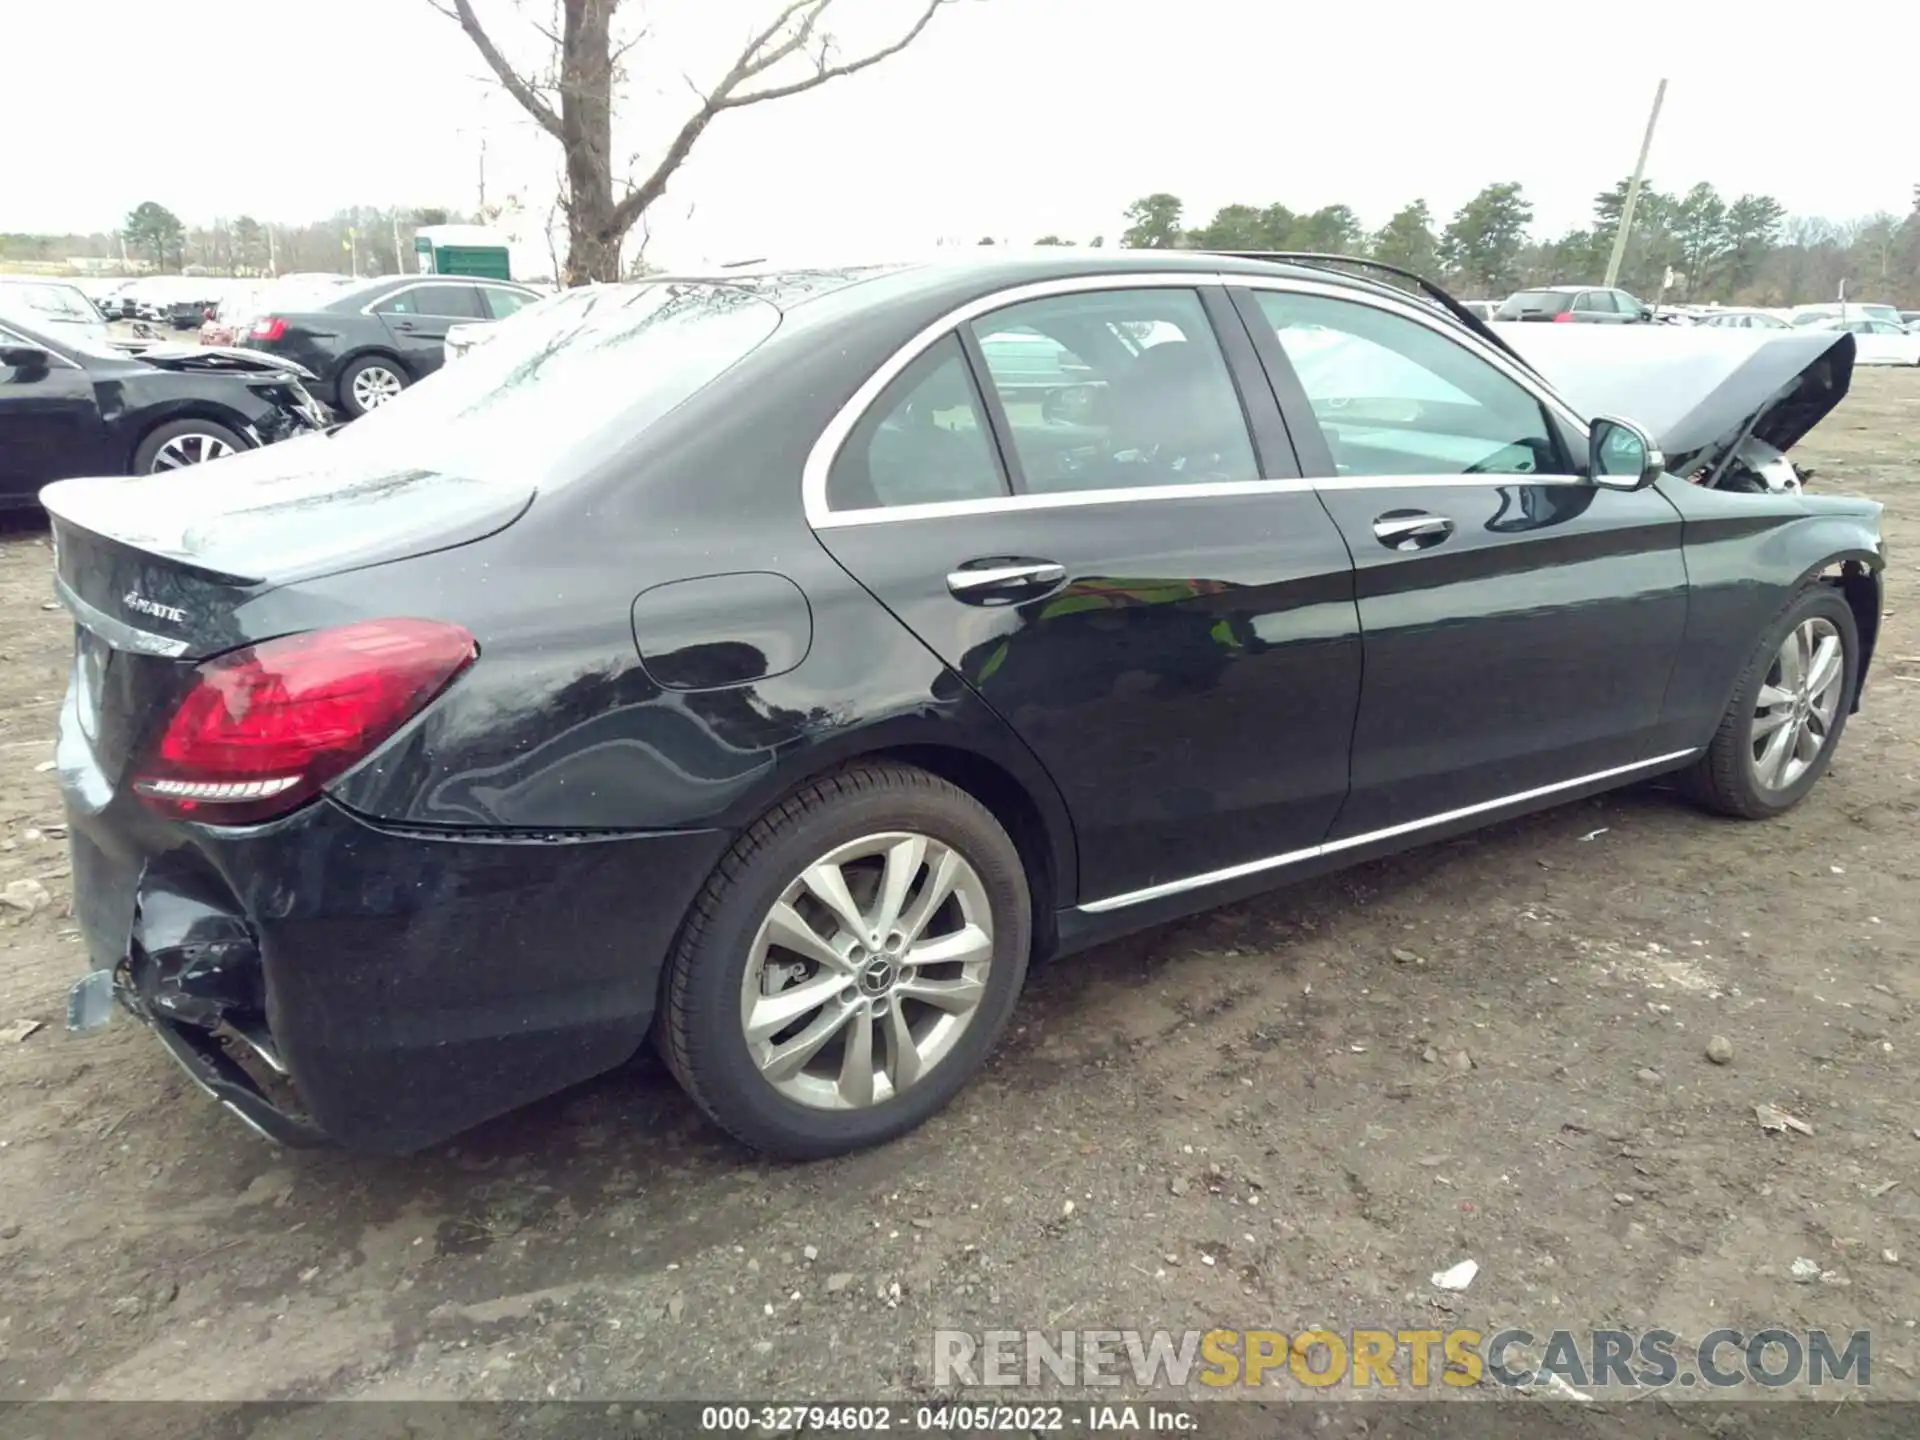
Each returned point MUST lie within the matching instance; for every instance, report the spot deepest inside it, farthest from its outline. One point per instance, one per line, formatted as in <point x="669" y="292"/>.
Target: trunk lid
<point x="156" y="569"/>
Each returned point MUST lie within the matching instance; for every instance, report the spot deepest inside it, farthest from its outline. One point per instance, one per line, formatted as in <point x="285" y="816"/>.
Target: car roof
<point x="990" y="267"/>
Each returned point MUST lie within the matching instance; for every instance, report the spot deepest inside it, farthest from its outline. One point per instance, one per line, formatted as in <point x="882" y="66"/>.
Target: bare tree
<point x="573" y="102"/>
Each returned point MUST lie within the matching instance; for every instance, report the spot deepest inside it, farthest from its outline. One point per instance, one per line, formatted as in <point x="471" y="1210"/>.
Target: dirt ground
<point x="1260" y="1118"/>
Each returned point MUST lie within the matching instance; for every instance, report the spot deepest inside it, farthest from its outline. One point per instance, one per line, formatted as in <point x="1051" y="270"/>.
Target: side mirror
<point x="29" y="359"/>
<point x="1620" y="456"/>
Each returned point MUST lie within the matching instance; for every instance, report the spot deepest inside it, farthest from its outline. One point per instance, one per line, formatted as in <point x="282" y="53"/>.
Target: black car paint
<point x="329" y="337"/>
<point x="477" y="915"/>
<point x="86" y="414"/>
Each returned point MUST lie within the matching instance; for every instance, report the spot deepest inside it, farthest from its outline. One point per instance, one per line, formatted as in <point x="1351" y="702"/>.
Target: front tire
<point x="369" y="383"/>
<point x="1787" y="713"/>
<point x="180" y="443"/>
<point x="849" y="965"/>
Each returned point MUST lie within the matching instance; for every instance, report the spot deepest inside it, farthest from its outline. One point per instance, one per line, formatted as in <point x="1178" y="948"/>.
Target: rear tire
<point x="762" y="1022"/>
<point x="1787" y="713"/>
<point x="369" y="383"/>
<point x="180" y="443"/>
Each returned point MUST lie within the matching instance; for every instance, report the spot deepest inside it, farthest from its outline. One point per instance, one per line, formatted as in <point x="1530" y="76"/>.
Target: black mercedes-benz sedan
<point x="75" y="407"/>
<point x="368" y="342"/>
<point x="771" y="663"/>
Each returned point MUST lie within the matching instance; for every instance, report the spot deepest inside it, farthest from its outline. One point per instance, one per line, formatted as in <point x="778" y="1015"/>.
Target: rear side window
<point x="1396" y="397"/>
<point x="455" y="302"/>
<point x="1535" y="302"/>
<point x="923" y="441"/>
<point x="1113" y="389"/>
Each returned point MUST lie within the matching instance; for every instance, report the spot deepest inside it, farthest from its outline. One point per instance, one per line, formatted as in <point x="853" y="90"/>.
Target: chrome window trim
<point x="826" y="449"/>
<point x="1354" y="842"/>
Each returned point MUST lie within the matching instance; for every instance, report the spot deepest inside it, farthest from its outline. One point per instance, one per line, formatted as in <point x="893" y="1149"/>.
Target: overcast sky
<point x="1011" y="118"/>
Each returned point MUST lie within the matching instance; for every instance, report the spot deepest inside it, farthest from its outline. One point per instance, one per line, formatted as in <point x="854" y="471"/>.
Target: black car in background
<point x="770" y="662"/>
<point x="366" y="343"/>
<point x="1583" y="304"/>
<point x="72" y="409"/>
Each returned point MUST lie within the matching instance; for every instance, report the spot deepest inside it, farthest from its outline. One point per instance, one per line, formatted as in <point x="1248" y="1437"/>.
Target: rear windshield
<point x="1544" y="302"/>
<point x="557" y="385"/>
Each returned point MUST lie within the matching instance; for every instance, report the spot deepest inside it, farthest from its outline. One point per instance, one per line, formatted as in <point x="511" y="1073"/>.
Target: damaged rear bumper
<point x="330" y="980"/>
<point x="200" y="1053"/>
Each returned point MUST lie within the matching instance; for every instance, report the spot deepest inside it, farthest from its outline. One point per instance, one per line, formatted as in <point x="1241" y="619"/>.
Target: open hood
<point x="219" y="360"/>
<point x="1697" y="390"/>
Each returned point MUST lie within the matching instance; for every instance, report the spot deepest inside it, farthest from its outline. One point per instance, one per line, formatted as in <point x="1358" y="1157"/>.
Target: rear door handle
<point x="984" y="584"/>
<point x="1402" y="530"/>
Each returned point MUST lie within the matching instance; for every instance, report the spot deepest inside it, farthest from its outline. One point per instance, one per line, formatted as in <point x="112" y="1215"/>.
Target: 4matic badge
<point x="134" y="600"/>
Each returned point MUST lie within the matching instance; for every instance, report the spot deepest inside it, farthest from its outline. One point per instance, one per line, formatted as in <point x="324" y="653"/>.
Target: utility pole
<point x="1633" y="191"/>
<point x="273" y="253"/>
<point x="483" y="174"/>
<point x="399" y="259"/>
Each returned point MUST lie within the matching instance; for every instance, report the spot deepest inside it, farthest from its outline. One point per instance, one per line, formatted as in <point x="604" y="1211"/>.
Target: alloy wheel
<point x="189" y="449"/>
<point x="374" y="386"/>
<point x="1794" y="714"/>
<point x="867" y="970"/>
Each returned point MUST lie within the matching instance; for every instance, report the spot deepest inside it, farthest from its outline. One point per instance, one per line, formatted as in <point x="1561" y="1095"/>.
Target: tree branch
<point x="517" y="86"/>
<point x="761" y="54"/>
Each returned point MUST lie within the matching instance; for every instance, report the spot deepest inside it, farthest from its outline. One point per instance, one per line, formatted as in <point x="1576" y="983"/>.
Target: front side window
<point x="1396" y="397"/>
<point x="1596" y="301"/>
<point x="1116" y="389"/>
<point x="923" y="441"/>
<point x="502" y="303"/>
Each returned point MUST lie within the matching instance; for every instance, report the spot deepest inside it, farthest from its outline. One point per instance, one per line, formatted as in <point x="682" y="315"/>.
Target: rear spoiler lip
<point x="56" y="500"/>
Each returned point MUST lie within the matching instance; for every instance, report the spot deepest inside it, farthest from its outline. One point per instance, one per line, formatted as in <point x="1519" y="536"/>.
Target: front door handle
<point x="990" y="583"/>
<point x="1411" y="530"/>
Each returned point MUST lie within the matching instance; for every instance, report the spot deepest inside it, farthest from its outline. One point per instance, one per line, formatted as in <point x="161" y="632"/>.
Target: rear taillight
<point x="268" y="327"/>
<point x="1564" y="317"/>
<point x="264" y="728"/>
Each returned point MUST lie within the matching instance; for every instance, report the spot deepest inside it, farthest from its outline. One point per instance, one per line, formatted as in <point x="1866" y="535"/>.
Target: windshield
<point x="558" y="381"/>
<point x="37" y="300"/>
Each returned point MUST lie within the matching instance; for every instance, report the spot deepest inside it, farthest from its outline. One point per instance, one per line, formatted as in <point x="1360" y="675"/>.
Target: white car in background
<point x="1742" y="318"/>
<point x="1843" y="310"/>
<point x="1877" y="342"/>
